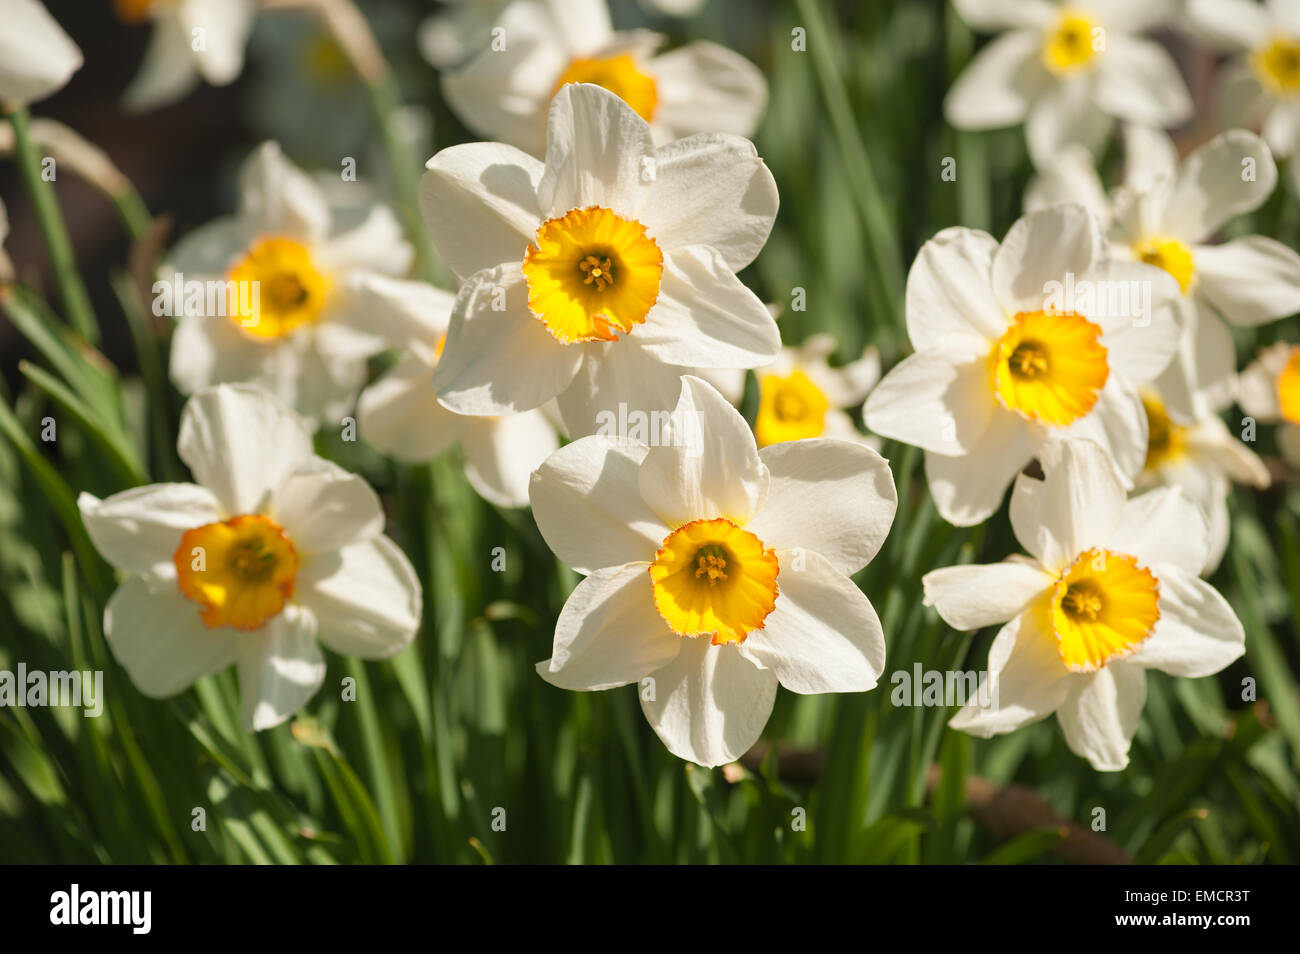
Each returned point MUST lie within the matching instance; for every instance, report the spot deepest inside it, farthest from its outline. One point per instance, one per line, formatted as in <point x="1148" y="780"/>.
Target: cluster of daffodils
<point x="595" y="243"/>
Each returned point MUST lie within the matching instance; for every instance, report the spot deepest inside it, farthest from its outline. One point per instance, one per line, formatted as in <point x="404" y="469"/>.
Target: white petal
<point x="1078" y="504"/>
<point x="711" y="190"/>
<point x="240" y="443"/>
<point x="502" y="453"/>
<point x="399" y="415"/>
<point x="1250" y="280"/>
<point x="993" y="16"/>
<point x="224" y="26"/>
<point x="998" y="85"/>
<point x="1118" y="423"/>
<point x="1126" y="17"/>
<point x="1202" y="377"/>
<point x="278" y="198"/>
<point x="1149" y="154"/>
<point x="977" y="595"/>
<point x="1071" y="177"/>
<point x="366" y="598"/>
<point x="280" y="668"/>
<point x="1026" y="681"/>
<point x="1139" y="82"/>
<point x="1138" y="319"/>
<point x="138" y="530"/>
<point x="824" y="635"/>
<point x="158" y="637"/>
<point x="395" y="311"/>
<point x="1212" y="186"/>
<point x="706" y="463"/>
<point x="1066" y="113"/>
<point x="322" y="507"/>
<point x="596" y="147"/>
<point x="707" y="88"/>
<point x="618" y="380"/>
<point x="500" y="361"/>
<point x="1102" y="713"/>
<point x="931" y="402"/>
<point x="1040" y="250"/>
<point x="211" y="350"/>
<point x="950" y="302"/>
<point x="609" y="633"/>
<point x="1197" y="633"/>
<point x="479" y="201"/>
<point x="1258" y="383"/>
<point x="1229" y="24"/>
<point x="705" y="316"/>
<point x="167" y="71"/>
<point x="710" y="704"/>
<point x="828" y="496"/>
<point x="36" y="56"/>
<point x="968" y="488"/>
<point x="377" y="245"/>
<point x="1163" y="527"/>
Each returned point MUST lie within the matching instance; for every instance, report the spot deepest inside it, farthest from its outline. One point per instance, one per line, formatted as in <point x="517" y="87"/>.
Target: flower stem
<point x="72" y="291"/>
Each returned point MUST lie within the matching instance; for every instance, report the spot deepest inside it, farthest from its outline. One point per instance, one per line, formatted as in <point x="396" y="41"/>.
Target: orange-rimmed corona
<point x="240" y="571"/>
<point x="1102" y="607"/>
<point x="1049" y="368"/>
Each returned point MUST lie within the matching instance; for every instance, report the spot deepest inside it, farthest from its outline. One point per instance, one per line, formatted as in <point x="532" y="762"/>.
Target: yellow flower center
<point x="714" y="579"/>
<point x="325" y="62"/>
<point x="1166" y="440"/>
<point x="1278" y="65"/>
<point x="1103" y="606"/>
<point x="1171" y="255"/>
<point x="137" y="11"/>
<point x="240" y="571"/>
<point x="618" y="74"/>
<point x="276" y="289"/>
<point x="592" y="274"/>
<point x="1069" y="45"/>
<point x="1049" y="368"/>
<point x="789" y="408"/>
<point x="1288" y="389"/>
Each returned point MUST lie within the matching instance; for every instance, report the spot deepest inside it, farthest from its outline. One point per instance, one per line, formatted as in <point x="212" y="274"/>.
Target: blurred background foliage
<point x="459" y="726"/>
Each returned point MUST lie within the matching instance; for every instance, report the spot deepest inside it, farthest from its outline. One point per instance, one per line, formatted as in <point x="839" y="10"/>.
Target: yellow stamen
<point x="592" y="274"/>
<point x="618" y="74"/>
<point x="240" y="571"/>
<point x="1277" y="64"/>
<point x="1102" y="607"/>
<point x="276" y="289"/>
<point x="1171" y="255"/>
<point x="790" y="408"/>
<point x="1070" y="44"/>
<point x="711" y="578"/>
<point x="1049" y="368"/>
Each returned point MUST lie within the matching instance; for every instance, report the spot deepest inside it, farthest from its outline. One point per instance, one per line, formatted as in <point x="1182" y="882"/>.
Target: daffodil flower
<point x="399" y="413"/>
<point x="36" y="57"/>
<point x="1020" y="344"/>
<point x="288" y="265"/>
<point x="601" y="275"/>
<point x="1067" y="70"/>
<point x="714" y="571"/>
<point x="269" y="552"/>
<point x="1269" y="391"/>
<point x="1111" y="591"/>
<point x="536" y="47"/>
<point x="800" y="395"/>
<point x="192" y="40"/>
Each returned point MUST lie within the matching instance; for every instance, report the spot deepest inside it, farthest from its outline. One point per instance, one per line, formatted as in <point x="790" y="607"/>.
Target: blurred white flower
<point x="535" y="47"/>
<point x="1019" y="345"/>
<point x="399" y="413"/>
<point x="1067" y="69"/>
<point x="800" y="395"/>
<point x="1071" y="175"/>
<point x="36" y="57"/>
<point x="271" y="551"/>
<point x="1112" y="590"/>
<point x="1269" y="391"/>
<point x="602" y="274"/>
<point x="192" y="40"/>
<point x="305" y="337"/>
<point x="715" y="571"/>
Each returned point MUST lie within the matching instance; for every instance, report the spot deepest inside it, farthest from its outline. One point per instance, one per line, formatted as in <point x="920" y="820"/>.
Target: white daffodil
<point x="535" y="47"/>
<point x="800" y="395"/>
<point x="288" y="266"/>
<point x="1067" y="70"/>
<point x="1269" y="391"/>
<point x="1172" y="223"/>
<point x="192" y="40"/>
<point x="714" y="571"/>
<point x="399" y="413"/>
<point x="1112" y="590"/>
<point x="1071" y="175"/>
<point x="1020" y="344"/>
<point x="1262" y="86"/>
<point x="1201" y="457"/>
<point x="36" y="57"/>
<point x="271" y="551"/>
<point x="602" y="274"/>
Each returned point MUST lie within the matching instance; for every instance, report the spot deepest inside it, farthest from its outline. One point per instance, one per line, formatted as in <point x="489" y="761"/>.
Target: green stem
<point x="72" y="290"/>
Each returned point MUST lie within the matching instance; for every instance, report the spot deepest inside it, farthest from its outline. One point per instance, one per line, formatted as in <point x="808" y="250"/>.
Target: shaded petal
<point x="502" y="453"/>
<point x="138" y="530"/>
<point x="998" y="85"/>
<point x="399" y="415"/>
<point x="950" y="302"/>
<point x="1212" y="186"/>
<point x="1026" y="681"/>
<point x="977" y="595"/>
<point x="1250" y="280"/>
<point x="1078" y="504"/>
<point x="278" y="198"/>
<point x="1139" y="81"/>
<point x="280" y="668"/>
<point x="1197" y="634"/>
<point x="1040" y="250"/>
<point x="322" y="507"/>
<point x="366" y="598"/>
<point x="929" y="401"/>
<point x="1163" y="526"/>
<point x="1102" y="713"/>
<point x="968" y="489"/>
<point x="707" y="88"/>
